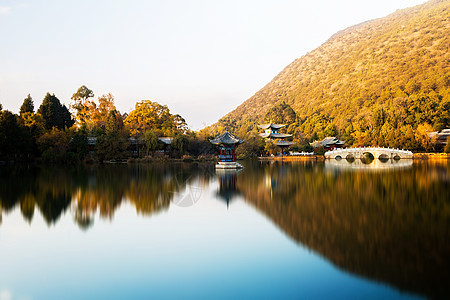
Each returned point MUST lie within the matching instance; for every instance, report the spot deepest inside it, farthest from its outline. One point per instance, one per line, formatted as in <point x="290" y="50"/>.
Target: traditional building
<point x="271" y="133"/>
<point x="329" y="143"/>
<point x="227" y="143"/>
<point x="440" y="137"/>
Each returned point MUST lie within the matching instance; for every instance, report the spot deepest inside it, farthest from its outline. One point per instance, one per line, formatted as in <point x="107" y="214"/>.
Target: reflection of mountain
<point x="391" y="226"/>
<point x="149" y="188"/>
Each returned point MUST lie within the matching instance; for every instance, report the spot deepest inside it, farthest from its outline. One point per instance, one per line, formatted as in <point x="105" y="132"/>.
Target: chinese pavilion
<point x="227" y="143"/>
<point x="329" y="143"/>
<point x="271" y="133"/>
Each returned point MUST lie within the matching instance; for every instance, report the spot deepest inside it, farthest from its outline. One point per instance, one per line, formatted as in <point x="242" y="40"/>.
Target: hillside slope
<point x="366" y="84"/>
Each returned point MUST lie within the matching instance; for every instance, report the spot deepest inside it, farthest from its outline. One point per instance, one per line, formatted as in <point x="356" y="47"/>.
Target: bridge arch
<point x="350" y="157"/>
<point x="383" y="157"/>
<point x="376" y="152"/>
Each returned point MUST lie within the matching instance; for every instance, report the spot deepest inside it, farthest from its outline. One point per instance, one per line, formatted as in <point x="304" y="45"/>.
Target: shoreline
<point x="292" y="158"/>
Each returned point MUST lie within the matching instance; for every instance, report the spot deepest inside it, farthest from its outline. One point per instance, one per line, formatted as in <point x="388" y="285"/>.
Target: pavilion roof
<point x="166" y="140"/>
<point x="284" y="143"/>
<point x="274" y="135"/>
<point x="227" y="139"/>
<point x="328" y="141"/>
<point x="273" y="126"/>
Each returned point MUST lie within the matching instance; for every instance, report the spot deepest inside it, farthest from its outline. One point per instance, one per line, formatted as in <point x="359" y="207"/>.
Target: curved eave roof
<point x="275" y="135"/>
<point x="274" y="126"/>
<point x="227" y="139"/>
<point x="284" y="143"/>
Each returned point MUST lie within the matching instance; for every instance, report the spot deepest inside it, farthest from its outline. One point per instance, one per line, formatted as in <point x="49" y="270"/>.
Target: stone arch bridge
<point x="380" y="153"/>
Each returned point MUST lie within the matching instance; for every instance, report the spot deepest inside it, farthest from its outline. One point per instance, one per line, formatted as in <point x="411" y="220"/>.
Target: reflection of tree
<point x="391" y="226"/>
<point x="84" y="191"/>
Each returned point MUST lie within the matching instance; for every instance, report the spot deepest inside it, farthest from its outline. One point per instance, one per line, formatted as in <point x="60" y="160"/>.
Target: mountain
<point x="383" y="82"/>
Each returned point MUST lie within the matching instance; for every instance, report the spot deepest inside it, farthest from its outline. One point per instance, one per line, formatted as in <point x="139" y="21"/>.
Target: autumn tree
<point x="148" y="115"/>
<point x="101" y="112"/>
<point x="82" y="105"/>
<point x="271" y="148"/>
<point x="422" y="135"/>
<point x="54" y="145"/>
<point x="281" y="113"/>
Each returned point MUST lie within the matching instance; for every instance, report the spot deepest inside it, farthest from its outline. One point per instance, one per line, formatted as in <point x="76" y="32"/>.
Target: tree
<point x="447" y="146"/>
<point x="15" y="141"/>
<point x="54" y="145"/>
<point x="253" y="147"/>
<point x="180" y="144"/>
<point x="112" y="144"/>
<point x="271" y="148"/>
<point x="110" y="147"/>
<point x="101" y="113"/>
<point x="54" y="114"/>
<point x="152" y="115"/>
<point x="78" y="147"/>
<point x="422" y="136"/>
<point x="27" y="106"/>
<point x="281" y="113"/>
<point x="114" y="123"/>
<point x="179" y="123"/>
<point x="82" y="105"/>
<point x="151" y="141"/>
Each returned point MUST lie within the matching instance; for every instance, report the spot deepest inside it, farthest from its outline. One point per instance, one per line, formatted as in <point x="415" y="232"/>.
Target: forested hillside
<point x="383" y="82"/>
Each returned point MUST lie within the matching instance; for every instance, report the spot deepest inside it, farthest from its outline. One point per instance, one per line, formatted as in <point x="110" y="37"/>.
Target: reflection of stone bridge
<point x="383" y="153"/>
<point x="375" y="166"/>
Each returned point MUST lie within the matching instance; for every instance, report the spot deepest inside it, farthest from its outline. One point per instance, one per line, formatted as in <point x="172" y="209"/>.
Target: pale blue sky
<point x="201" y="58"/>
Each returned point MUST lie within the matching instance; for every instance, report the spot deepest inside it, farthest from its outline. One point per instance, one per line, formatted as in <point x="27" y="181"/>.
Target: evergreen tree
<point x="15" y="140"/>
<point x="27" y="106"/>
<point x="55" y="114"/>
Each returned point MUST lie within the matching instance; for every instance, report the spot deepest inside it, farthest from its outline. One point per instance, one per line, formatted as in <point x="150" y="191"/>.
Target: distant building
<point x="134" y="144"/>
<point x="330" y="142"/>
<point x="166" y="142"/>
<point x="440" y="137"/>
<point x="271" y="133"/>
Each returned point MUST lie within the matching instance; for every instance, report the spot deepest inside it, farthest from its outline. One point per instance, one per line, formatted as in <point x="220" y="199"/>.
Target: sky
<point x="200" y="58"/>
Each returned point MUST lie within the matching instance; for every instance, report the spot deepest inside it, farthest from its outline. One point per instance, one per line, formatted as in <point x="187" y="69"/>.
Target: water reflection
<point x="391" y="225"/>
<point x="149" y="188"/>
<point x="375" y="165"/>
<point x="227" y="185"/>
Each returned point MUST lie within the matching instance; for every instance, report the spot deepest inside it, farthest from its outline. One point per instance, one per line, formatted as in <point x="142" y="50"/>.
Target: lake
<point x="293" y="230"/>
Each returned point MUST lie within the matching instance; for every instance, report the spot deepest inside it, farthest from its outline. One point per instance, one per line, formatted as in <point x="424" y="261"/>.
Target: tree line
<point x="55" y="133"/>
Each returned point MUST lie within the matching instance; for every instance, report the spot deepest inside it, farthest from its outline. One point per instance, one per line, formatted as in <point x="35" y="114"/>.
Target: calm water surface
<point x="274" y="230"/>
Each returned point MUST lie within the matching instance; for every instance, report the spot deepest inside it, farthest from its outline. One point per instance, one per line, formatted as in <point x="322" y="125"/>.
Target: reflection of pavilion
<point x="227" y="185"/>
<point x="375" y="165"/>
